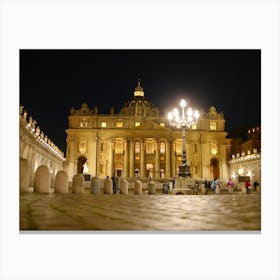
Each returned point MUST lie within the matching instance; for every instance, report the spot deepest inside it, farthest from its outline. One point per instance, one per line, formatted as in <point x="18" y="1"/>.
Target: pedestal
<point x="184" y="185"/>
<point x="184" y="171"/>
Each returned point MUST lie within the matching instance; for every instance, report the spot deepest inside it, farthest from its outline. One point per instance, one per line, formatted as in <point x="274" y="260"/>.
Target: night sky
<point x="52" y="81"/>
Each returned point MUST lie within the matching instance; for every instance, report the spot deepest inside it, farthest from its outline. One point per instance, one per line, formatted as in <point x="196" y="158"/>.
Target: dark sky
<point x="52" y="81"/>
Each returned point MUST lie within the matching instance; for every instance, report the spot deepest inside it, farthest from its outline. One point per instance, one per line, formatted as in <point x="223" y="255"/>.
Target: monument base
<point x="86" y="177"/>
<point x="184" y="185"/>
<point x="184" y="171"/>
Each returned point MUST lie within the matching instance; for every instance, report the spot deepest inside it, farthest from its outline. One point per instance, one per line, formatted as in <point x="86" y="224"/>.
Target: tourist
<point x="255" y="185"/>
<point x="114" y="183"/>
<point x="247" y="186"/>
<point x="170" y="185"/>
<point x="230" y="184"/>
<point x="214" y="186"/>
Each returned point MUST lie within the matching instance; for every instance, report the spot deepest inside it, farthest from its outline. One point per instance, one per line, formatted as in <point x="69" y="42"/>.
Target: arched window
<point x="162" y="148"/>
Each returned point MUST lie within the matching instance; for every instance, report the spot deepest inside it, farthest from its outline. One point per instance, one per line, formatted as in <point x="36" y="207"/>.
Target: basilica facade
<point x="139" y="142"/>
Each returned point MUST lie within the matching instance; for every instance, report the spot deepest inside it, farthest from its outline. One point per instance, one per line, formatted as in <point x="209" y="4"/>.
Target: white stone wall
<point x="35" y="149"/>
<point x="249" y="165"/>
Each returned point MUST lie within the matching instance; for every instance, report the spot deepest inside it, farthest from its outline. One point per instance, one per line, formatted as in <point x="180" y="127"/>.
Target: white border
<point x="154" y="24"/>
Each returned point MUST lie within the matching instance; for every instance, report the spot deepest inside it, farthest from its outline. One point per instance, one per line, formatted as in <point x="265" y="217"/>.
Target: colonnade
<point x="132" y="160"/>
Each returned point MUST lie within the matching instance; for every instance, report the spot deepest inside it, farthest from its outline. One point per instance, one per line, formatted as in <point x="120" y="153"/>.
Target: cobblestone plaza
<point x="225" y="212"/>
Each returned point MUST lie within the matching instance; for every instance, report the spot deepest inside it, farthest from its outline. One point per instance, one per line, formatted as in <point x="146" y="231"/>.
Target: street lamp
<point x="186" y="117"/>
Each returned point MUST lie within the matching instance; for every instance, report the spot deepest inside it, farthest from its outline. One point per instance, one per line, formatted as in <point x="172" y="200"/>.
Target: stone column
<point x="167" y="160"/>
<point x="157" y="165"/>
<point x="92" y="149"/>
<point x="131" y="157"/>
<point x="110" y="162"/>
<point x="142" y="160"/>
<point x="125" y="159"/>
<point x="173" y="159"/>
<point x="72" y="165"/>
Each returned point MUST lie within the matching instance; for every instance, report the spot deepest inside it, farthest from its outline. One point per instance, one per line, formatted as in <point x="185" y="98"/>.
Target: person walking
<point x="170" y="185"/>
<point x="255" y="185"/>
<point x="214" y="185"/>
<point x="230" y="184"/>
<point x="247" y="186"/>
<point x="114" y="184"/>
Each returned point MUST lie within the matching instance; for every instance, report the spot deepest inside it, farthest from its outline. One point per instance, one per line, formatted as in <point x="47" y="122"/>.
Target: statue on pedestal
<point x="85" y="168"/>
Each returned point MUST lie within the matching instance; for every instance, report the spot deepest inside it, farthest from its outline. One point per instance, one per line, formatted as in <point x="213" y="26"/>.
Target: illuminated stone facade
<point x="139" y="142"/>
<point x="36" y="150"/>
<point x="246" y="161"/>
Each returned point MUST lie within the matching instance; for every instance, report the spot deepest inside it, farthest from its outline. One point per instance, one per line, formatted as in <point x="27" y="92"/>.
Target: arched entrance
<point x="81" y="162"/>
<point x="214" y="168"/>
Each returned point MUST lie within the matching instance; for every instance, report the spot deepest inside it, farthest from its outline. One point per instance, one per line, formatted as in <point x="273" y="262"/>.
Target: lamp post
<point x="184" y="118"/>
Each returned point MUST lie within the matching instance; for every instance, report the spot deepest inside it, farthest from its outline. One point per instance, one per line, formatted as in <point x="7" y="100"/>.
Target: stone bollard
<point x="108" y="186"/>
<point x="24" y="175"/>
<point x="138" y="187"/>
<point x="78" y="183"/>
<point x="61" y="182"/>
<point x="151" y="187"/>
<point x="202" y="189"/>
<point x="42" y="181"/>
<point x="124" y="186"/>
<point x="95" y="185"/>
<point x="218" y="189"/>
<point x="243" y="189"/>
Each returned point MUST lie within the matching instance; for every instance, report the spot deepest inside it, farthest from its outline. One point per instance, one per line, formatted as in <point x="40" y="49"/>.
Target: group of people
<point x="230" y="185"/>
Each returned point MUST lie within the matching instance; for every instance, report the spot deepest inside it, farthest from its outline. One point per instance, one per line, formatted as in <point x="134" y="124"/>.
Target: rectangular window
<point x="213" y="125"/>
<point x="83" y="123"/>
<point x="119" y="148"/>
<point x="137" y="147"/>
<point x="194" y="126"/>
<point x="103" y="124"/>
<point x="119" y="124"/>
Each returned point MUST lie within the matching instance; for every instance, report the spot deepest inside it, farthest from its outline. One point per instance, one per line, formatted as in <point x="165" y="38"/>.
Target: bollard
<point x="202" y="189"/>
<point x="108" y="186"/>
<point x="61" y="182"/>
<point x="42" y="181"/>
<point x="243" y="189"/>
<point x="138" y="187"/>
<point x="124" y="186"/>
<point x="218" y="189"/>
<point x="151" y="187"/>
<point x="78" y="183"/>
<point x="95" y="185"/>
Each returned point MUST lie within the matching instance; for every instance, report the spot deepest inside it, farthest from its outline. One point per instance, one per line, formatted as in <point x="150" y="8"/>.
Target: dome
<point x="139" y="105"/>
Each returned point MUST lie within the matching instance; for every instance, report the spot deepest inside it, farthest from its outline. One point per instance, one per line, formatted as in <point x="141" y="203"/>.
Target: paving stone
<point x="144" y="212"/>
